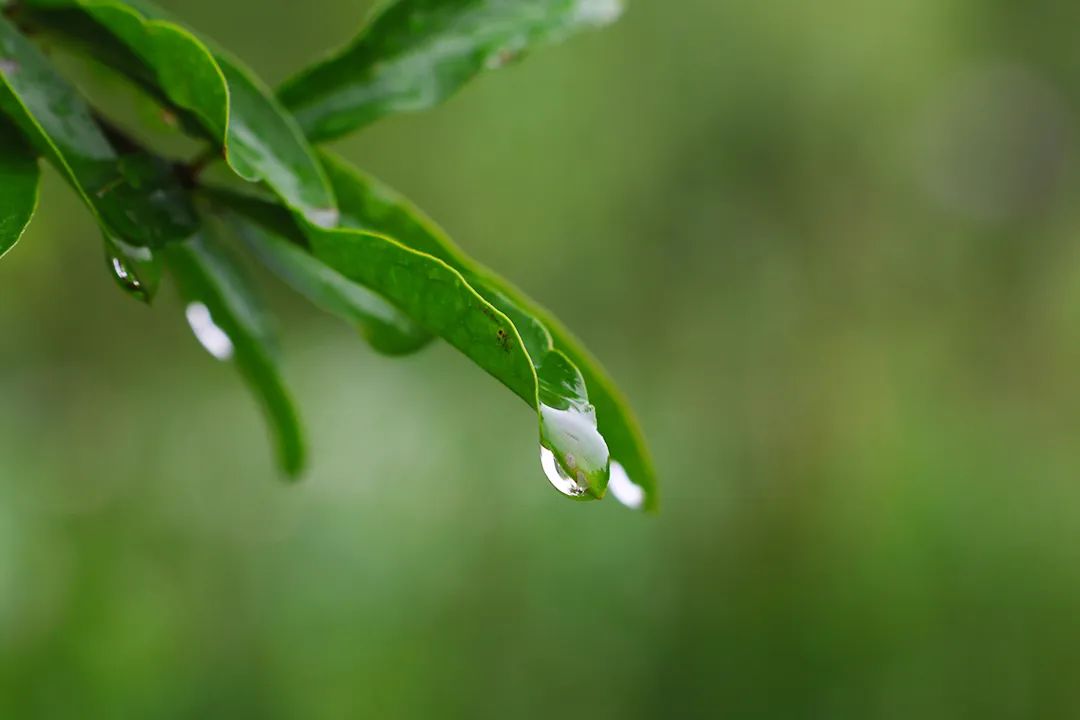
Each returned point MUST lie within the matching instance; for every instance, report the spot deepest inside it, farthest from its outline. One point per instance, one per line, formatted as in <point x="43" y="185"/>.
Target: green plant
<point x="349" y="244"/>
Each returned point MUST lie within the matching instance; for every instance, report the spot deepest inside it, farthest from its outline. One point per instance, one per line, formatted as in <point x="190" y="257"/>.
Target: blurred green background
<point x="830" y="251"/>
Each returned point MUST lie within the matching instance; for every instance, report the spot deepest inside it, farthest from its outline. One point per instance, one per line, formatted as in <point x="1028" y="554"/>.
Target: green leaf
<point x="492" y="331"/>
<point x="370" y="205"/>
<point x="261" y="141"/>
<point x="19" y="179"/>
<point x="416" y="53"/>
<point x="229" y="321"/>
<point x="135" y="198"/>
<point x="279" y="245"/>
<point x="66" y="30"/>
<point x="439" y="299"/>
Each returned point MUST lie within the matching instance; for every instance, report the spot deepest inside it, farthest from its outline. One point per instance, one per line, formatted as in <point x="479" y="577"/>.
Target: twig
<point x="189" y="172"/>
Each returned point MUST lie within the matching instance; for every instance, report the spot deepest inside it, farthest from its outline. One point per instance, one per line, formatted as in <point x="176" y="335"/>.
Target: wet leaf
<point x="388" y="269"/>
<point x="370" y="205"/>
<point x="442" y="301"/>
<point x="261" y="141"/>
<point x="480" y="321"/>
<point x="229" y="321"/>
<point x="134" y="197"/>
<point x="279" y="245"/>
<point x="415" y="53"/>
<point x="19" y="179"/>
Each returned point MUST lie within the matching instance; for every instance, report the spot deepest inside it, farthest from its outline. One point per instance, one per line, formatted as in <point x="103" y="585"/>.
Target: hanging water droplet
<point x="126" y="279"/>
<point x="134" y="268"/>
<point x="579" y="454"/>
<point x="209" y="335"/>
<point x="558" y="476"/>
<point x="624" y="489"/>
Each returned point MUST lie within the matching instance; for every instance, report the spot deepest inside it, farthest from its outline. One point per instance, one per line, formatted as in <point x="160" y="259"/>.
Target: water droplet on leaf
<point x="562" y="480"/>
<point x="568" y="429"/>
<point x="126" y="279"/>
<point x="210" y="336"/>
<point x="134" y="268"/>
<point x="624" y="489"/>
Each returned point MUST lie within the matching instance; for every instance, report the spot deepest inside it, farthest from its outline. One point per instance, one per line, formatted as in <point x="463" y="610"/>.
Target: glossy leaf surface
<point x="368" y="204"/>
<point x="387" y="269"/>
<point x="279" y="245"/>
<point x="135" y="197"/>
<point x="261" y="142"/>
<point x="442" y="302"/>
<point x="19" y="179"/>
<point x="416" y="53"/>
<point x="229" y="321"/>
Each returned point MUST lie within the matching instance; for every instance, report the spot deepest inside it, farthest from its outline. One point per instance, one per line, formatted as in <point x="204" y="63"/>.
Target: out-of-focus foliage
<point x="830" y="250"/>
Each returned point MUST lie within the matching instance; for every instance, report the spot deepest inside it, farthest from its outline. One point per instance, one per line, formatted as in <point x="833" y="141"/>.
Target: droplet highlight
<point x="624" y="489"/>
<point x="210" y="336"/>
<point x="558" y="476"/>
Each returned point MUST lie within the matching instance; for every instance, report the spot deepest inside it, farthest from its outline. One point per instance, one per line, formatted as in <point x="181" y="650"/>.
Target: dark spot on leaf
<point x="502" y="58"/>
<point x="504" y="339"/>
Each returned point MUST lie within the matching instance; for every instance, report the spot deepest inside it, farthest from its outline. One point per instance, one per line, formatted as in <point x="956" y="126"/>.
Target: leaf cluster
<point x="342" y="239"/>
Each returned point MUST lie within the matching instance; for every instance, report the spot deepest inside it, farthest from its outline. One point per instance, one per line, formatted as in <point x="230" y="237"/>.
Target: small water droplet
<point x="209" y="335"/>
<point x="562" y="480"/>
<point x="126" y="278"/>
<point x="132" y="267"/>
<point x="624" y="489"/>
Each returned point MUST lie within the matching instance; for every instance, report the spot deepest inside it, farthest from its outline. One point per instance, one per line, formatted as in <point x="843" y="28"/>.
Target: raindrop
<point x="133" y="267"/>
<point x="579" y="453"/>
<point x="624" y="489"/>
<point x="563" y="481"/>
<point x="209" y="335"/>
<point x="126" y="279"/>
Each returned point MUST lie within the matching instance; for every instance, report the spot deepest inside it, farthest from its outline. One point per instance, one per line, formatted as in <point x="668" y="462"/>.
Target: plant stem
<point x="190" y="171"/>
